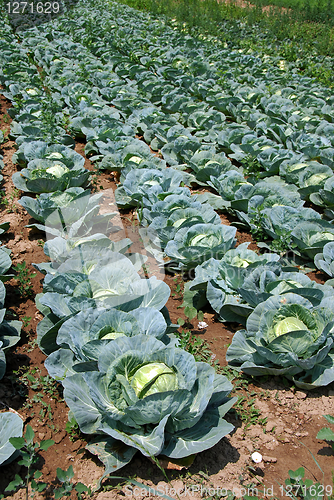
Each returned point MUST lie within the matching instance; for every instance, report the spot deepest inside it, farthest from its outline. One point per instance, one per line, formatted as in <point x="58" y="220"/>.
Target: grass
<point x="309" y="10"/>
<point x="304" y="34"/>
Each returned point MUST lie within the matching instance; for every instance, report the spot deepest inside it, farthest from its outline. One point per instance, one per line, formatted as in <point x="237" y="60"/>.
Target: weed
<point x="66" y="488"/>
<point x="298" y="488"/>
<point x="178" y="294"/>
<point x="196" y="346"/>
<point x="326" y="433"/>
<point x="247" y="412"/>
<point x="31" y="345"/>
<point x="26" y="321"/>
<point x="8" y="201"/>
<point x="95" y="180"/>
<point x="72" y="429"/>
<point x="24" y="277"/>
<point x="252" y="168"/>
<point x="45" y="411"/>
<point x="47" y="384"/>
<point x="29" y="452"/>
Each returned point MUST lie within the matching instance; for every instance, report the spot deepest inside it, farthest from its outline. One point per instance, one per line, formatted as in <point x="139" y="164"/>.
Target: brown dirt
<point x="278" y="421"/>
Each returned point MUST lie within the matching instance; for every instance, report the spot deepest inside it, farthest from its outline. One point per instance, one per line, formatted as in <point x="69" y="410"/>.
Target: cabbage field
<point x="167" y="265"/>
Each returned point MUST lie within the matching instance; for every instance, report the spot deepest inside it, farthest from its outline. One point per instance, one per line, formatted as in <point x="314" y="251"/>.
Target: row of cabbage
<point x="180" y="260"/>
<point x="197" y="145"/>
<point x="11" y="425"/>
<point x="106" y="330"/>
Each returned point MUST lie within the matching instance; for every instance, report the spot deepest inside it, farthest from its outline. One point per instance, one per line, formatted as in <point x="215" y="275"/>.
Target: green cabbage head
<point x="146" y="396"/>
<point x="287" y="335"/>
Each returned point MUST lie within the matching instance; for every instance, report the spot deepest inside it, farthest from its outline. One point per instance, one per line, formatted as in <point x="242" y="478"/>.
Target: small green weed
<point x="326" y="433"/>
<point x="299" y="489"/>
<point x="247" y="412"/>
<point x="197" y="347"/>
<point x="29" y="452"/>
<point x="72" y="429"/>
<point x="24" y="277"/>
<point x="66" y="488"/>
<point x="26" y="321"/>
<point x="8" y="201"/>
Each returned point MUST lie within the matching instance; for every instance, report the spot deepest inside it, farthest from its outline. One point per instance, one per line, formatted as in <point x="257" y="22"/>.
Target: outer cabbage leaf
<point x="11" y="425"/>
<point x="287" y="335"/>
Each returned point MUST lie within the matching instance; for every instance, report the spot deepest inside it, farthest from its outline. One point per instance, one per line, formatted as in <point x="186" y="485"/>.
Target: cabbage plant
<point x="287" y="335"/>
<point x="325" y="260"/>
<point x="5" y="262"/>
<point x="221" y="281"/>
<point x="49" y="168"/>
<point x="309" y="238"/>
<point x="325" y="198"/>
<point x="279" y="221"/>
<point x="194" y="245"/>
<point x="89" y="330"/>
<point x="138" y="182"/>
<point x="166" y="227"/>
<point x="69" y="214"/>
<point x="93" y="277"/>
<point x="46" y="176"/>
<point x="148" y="397"/>
<point x="45" y="204"/>
<point x="207" y="163"/>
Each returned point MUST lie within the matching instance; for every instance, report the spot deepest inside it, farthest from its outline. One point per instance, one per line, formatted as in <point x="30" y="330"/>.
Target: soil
<point x="276" y="420"/>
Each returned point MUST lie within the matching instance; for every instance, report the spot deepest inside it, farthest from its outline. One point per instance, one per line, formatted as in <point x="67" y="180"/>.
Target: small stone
<point x="76" y="445"/>
<point x="270" y="425"/>
<point x="301" y="395"/>
<point x="272" y="460"/>
<point x="161" y="486"/>
<point x="255" y="431"/>
<point x="59" y="436"/>
<point x="289" y="395"/>
<point x="178" y="486"/>
<point x="266" y="438"/>
<point x="248" y="445"/>
<point x="324" y="399"/>
<point x="41" y="435"/>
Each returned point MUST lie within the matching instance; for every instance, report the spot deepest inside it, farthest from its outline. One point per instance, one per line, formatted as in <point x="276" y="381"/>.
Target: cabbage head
<point x="49" y="175"/>
<point x="149" y="397"/>
<point x="325" y="260"/>
<point x="194" y="245"/>
<point x="94" y="328"/>
<point x="287" y="335"/>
